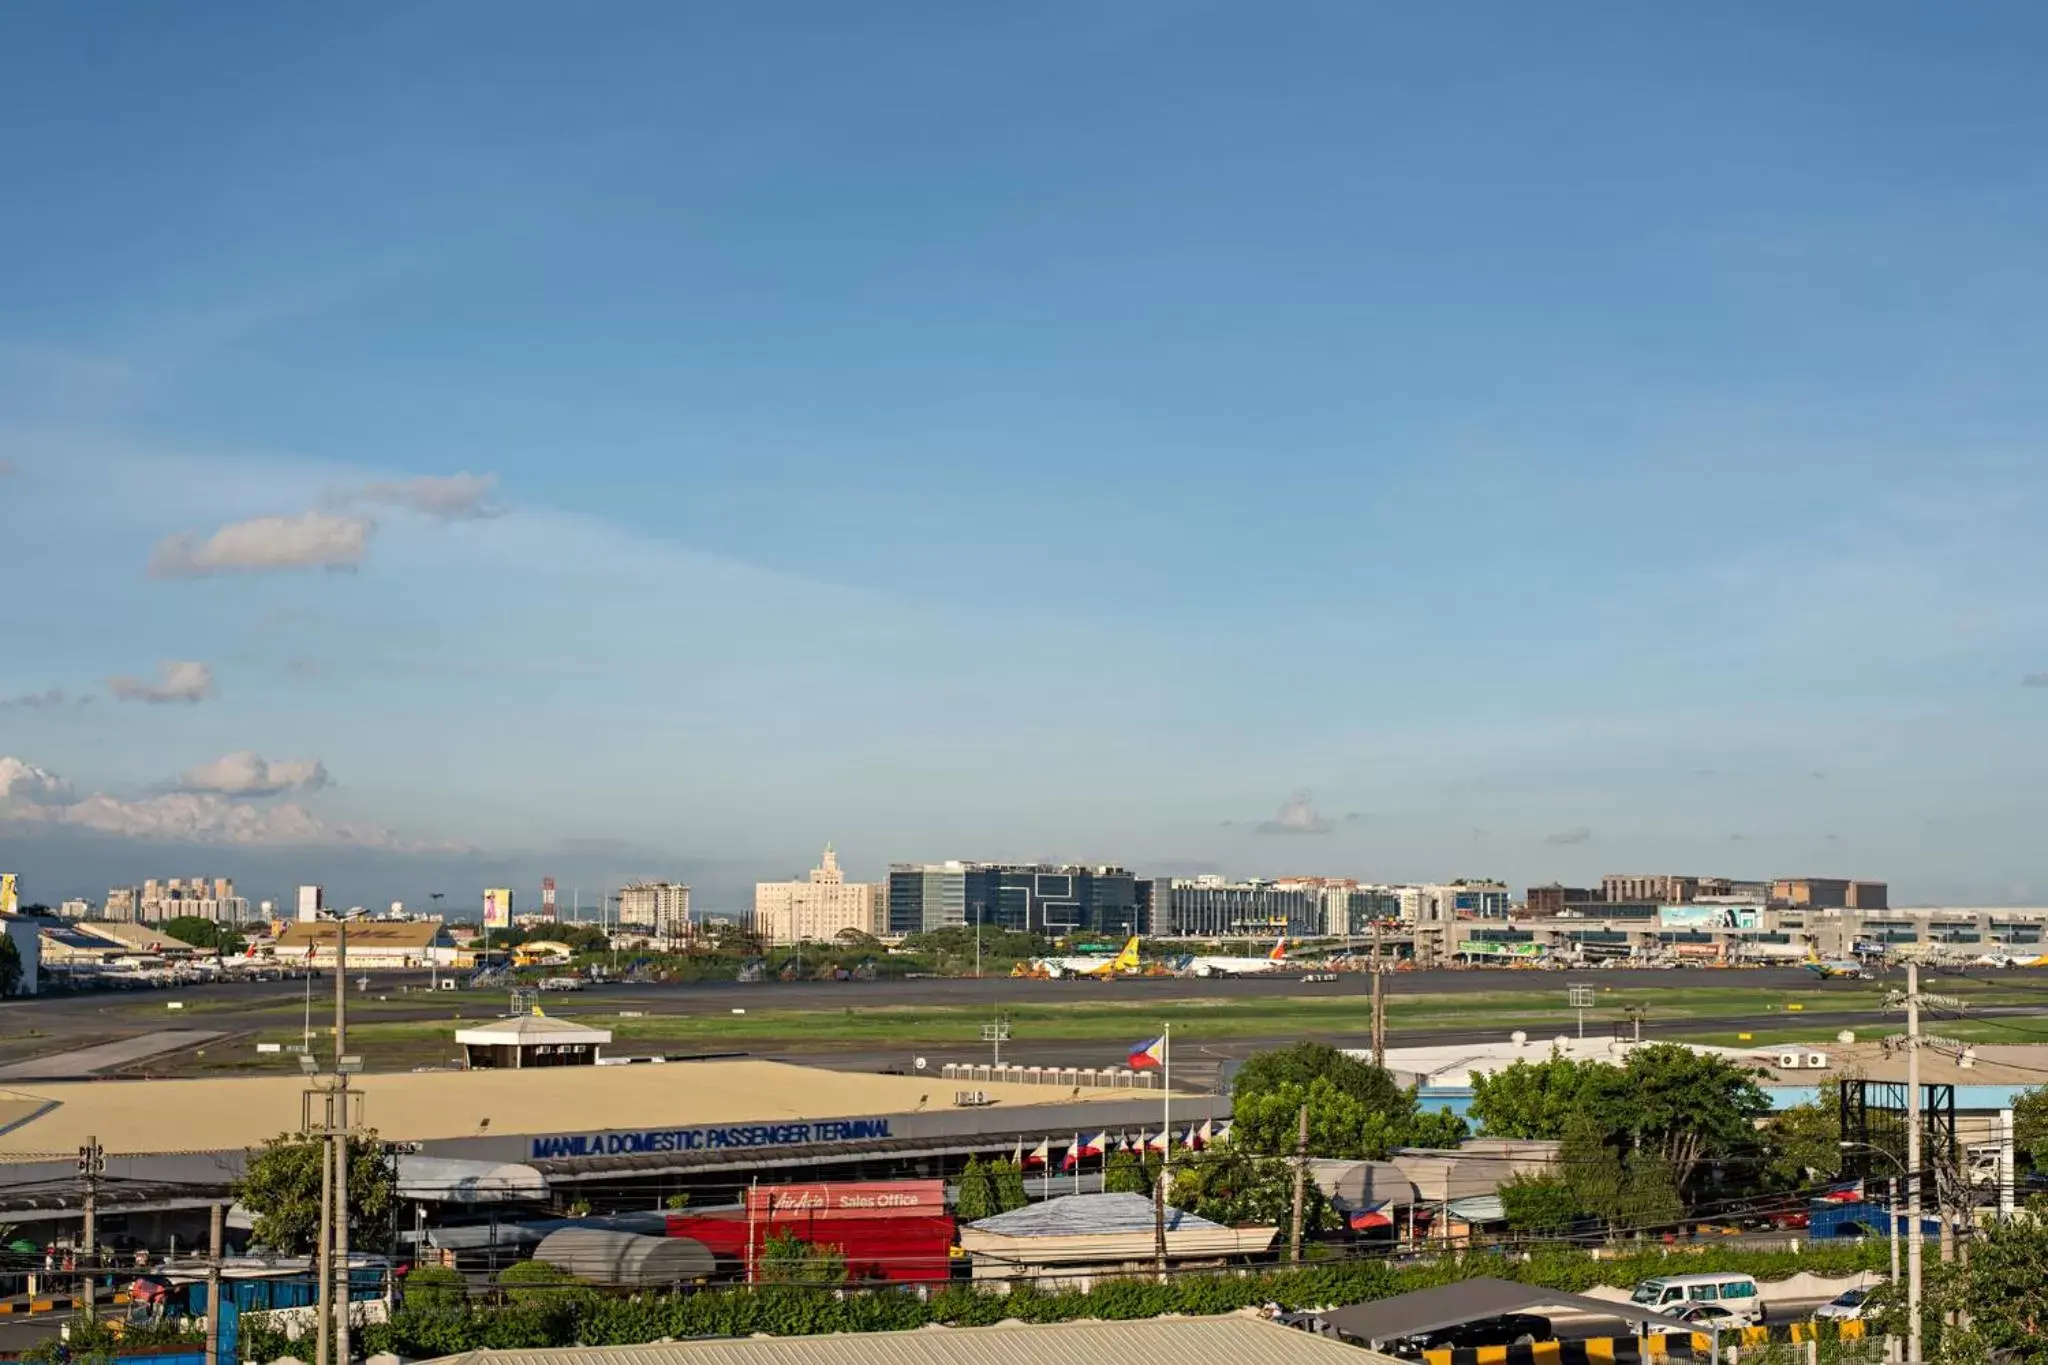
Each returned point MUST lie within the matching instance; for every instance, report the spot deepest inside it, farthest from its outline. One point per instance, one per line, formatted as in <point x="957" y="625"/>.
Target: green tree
<point x="10" y="964"/>
<point x="224" y="939"/>
<point x="977" y="1198"/>
<point x="1229" y="1185"/>
<point x="280" y="1185"/>
<point x="787" y="1259"/>
<point x="1541" y="1204"/>
<point x="1687" y="1107"/>
<point x="1538" y="1099"/>
<point x="2029" y="1122"/>
<point x="1007" y="1180"/>
<point x="1803" y="1143"/>
<point x="1124" y="1173"/>
<point x="1303" y="1064"/>
<point x="436" y="1288"/>
<point x="534" y="1284"/>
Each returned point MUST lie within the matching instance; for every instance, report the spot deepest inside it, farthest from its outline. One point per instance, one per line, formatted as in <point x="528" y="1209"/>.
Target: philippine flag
<point x="1038" y="1155"/>
<point x="1149" y="1056"/>
<point x="1374" y="1216"/>
<point x="1849" y="1192"/>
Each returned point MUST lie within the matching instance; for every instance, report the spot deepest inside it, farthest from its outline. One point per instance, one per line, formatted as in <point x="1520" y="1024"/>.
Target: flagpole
<point x="1076" y="1152"/>
<point x="1166" y="1097"/>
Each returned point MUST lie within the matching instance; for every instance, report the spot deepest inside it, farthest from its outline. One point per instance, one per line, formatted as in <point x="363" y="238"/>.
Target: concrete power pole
<point x="340" y="1140"/>
<point x="1379" y="1002"/>
<point x="215" y="1237"/>
<point x="92" y="1164"/>
<point x="1300" y="1182"/>
<point x="1915" y="1242"/>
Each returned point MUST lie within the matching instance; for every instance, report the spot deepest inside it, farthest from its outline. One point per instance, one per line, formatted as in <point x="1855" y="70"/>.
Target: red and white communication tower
<point x="547" y="898"/>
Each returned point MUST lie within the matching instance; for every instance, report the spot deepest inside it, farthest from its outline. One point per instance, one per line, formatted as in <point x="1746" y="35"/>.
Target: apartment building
<point x="660" y="908"/>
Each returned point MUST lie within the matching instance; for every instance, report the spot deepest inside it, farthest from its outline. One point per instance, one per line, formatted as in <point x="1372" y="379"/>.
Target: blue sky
<point x="1560" y="440"/>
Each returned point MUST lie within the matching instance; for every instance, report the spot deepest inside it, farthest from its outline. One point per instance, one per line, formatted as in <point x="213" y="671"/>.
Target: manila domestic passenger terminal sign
<point x="711" y="1139"/>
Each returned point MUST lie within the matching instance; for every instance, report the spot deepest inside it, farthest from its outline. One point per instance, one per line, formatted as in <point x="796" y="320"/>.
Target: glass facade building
<point x="1209" y="907"/>
<point x="1057" y="901"/>
<point x="924" y="897"/>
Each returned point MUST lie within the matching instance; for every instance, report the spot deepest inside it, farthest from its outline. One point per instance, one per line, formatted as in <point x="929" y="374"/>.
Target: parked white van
<point x="1737" y="1295"/>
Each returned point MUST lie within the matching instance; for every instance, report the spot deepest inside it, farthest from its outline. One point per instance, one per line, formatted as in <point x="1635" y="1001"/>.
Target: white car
<point x="1846" y="1306"/>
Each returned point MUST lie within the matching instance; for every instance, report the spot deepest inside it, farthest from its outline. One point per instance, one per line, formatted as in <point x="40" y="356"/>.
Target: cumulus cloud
<point x="247" y="773"/>
<point x="449" y="497"/>
<point x="1577" y="834"/>
<point x="22" y="784"/>
<point x="54" y="696"/>
<point x="31" y="796"/>
<point x="310" y="540"/>
<point x="1297" y="815"/>
<point x="186" y="681"/>
<point x="2035" y="680"/>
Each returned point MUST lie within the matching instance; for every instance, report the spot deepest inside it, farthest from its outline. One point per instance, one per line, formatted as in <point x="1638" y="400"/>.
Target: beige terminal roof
<point x="219" y="1113"/>
<point x="1234" y="1340"/>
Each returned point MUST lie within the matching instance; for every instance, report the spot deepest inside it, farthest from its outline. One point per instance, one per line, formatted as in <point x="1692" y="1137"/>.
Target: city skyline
<point x="1201" y="438"/>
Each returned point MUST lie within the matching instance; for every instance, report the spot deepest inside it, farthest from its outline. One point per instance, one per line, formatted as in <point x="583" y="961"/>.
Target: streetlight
<point x="1892" y="1216"/>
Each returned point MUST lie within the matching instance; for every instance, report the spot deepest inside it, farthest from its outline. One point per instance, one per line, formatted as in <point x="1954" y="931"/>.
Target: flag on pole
<point x="1162" y="1142"/>
<point x="1848" y="1192"/>
<point x="1222" y="1133"/>
<point x="1038" y="1155"/>
<point x="1084" y="1145"/>
<point x="1203" y="1136"/>
<point x="1379" y="1215"/>
<point x="1149" y="1056"/>
<point x="1191" y="1139"/>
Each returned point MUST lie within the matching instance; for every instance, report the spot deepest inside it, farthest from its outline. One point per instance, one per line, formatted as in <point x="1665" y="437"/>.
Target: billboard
<point x="9" y="902"/>
<point x="1709" y="916"/>
<point x="498" y="908"/>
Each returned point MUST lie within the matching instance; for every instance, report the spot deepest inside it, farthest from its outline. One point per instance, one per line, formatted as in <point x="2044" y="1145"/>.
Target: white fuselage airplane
<point x="1241" y="966"/>
<point x="1123" y="964"/>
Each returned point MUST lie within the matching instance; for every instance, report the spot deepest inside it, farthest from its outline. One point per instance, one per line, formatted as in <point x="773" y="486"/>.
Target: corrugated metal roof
<point x="1462" y="1301"/>
<point x="1235" y="1340"/>
<point x="1082" y="1215"/>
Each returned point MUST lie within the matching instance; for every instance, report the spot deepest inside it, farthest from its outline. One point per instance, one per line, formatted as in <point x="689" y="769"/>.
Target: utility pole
<point x="1379" y="1002"/>
<point x="1300" y="1182"/>
<point x="215" y="1236"/>
<point x="340" y="1141"/>
<point x="1914" y="1244"/>
<point x="92" y="1164"/>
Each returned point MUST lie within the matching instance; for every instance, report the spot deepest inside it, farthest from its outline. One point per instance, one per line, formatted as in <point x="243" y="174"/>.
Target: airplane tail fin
<point x="1279" y="953"/>
<point x="1127" y="960"/>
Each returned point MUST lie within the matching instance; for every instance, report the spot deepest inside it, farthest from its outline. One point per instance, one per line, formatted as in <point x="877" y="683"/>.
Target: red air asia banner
<point x="854" y="1199"/>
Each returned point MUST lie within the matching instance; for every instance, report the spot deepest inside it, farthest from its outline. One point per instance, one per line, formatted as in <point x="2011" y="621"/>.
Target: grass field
<point x="1673" y="1008"/>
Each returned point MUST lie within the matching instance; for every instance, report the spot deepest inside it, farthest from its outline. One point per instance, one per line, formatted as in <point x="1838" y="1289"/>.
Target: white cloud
<point x="54" y="696"/>
<point x="21" y="784"/>
<point x="1577" y="834"/>
<point x="450" y="497"/>
<point x="186" y="681"/>
<point x="246" y="773"/>
<point x="310" y="540"/>
<point x="35" y="796"/>
<point x="1297" y="816"/>
<point x="2035" y="680"/>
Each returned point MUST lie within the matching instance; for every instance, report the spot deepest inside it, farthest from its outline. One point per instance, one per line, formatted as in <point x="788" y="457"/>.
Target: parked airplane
<point x="1241" y="966"/>
<point x="1124" y="963"/>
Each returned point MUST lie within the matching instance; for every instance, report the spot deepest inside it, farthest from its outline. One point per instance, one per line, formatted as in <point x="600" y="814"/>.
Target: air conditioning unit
<point x="1791" y="1061"/>
<point x="1817" y="1061"/>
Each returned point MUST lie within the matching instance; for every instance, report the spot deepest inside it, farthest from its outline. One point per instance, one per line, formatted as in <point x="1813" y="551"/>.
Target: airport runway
<point x="1002" y="990"/>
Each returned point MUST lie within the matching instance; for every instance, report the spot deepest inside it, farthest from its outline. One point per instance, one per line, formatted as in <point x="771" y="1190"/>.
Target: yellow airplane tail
<point x="1127" y="960"/>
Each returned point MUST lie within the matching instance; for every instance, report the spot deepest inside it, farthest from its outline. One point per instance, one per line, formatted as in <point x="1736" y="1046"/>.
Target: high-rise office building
<point x="1058" y="900"/>
<point x="924" y="897"/>
<point x="815" y="910"/>
<point x="1210" y="907"/>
